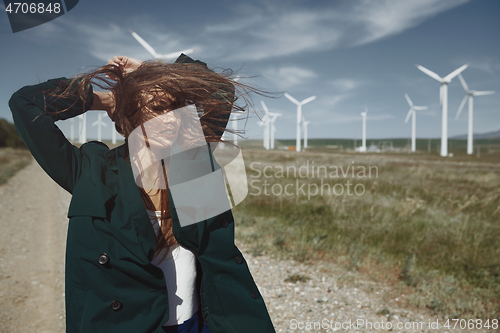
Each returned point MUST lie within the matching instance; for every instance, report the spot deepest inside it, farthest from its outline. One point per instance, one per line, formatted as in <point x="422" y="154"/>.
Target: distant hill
<point x="488" y="135"/>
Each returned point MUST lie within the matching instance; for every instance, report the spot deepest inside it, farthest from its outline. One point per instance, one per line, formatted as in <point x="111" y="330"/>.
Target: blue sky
<point x="348" y="53"/>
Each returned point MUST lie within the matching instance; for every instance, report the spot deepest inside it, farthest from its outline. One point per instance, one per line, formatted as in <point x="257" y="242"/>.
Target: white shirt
<point x="179" y="268"/>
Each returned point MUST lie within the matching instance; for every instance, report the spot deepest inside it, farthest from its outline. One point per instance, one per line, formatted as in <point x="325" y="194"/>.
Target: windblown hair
<point x="181" y="84"/>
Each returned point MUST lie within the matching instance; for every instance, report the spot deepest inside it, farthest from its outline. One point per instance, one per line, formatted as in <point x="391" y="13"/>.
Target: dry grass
<point x="11" y="161"/>
<point x="431" y="226"/>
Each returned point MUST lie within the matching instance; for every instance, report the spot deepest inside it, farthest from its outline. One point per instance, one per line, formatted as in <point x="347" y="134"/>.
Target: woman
<point x="122" y="238"/>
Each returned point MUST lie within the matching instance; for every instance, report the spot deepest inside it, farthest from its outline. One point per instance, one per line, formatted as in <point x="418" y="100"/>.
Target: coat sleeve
<point x="34" y="112"/>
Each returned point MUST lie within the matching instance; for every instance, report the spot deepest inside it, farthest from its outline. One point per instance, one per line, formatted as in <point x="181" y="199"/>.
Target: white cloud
<point x="258" y="33"/>
<point x="110" y="40"/>
<point x="344" y="85"/>
<point x="331" y="101"/>
<point x="287" y="77"/>
<point x="384" y="18"/>
<point x="262" y="30"/>
<point x="105" y="40"/>
<point x="487" y="65"/>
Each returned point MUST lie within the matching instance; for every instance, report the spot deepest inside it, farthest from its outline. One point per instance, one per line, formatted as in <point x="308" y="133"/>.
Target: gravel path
<point x="32" y="240"/>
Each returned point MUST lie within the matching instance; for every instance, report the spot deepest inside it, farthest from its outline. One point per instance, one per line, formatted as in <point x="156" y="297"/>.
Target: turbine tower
<point x="99" y="123"/>
<point x="304" y="129"/>
<point x="82" y="128"/>
<point x="270" y="118"/>
<point x="273" y="128"/>
<point x="265" y="122"/>
<point x="363" y="137"/>
<point x="299" y="115"/>
<point x="113" y="130"/>
<point x="72" y="128"/>
<point x="153" y="52"/>
<point x="235" y="130"/>
<point x="412" y="113"/>
<point x="443" y="99"/>
<point x="235" y="122"/>
<point x="469" y="94"/>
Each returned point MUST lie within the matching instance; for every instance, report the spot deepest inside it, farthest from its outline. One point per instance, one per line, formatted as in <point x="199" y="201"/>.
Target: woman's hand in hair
<point x="125" y="64"/>
<point x="104" y="100"/>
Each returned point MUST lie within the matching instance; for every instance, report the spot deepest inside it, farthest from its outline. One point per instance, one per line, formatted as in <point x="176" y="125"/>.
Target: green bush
<point x="9" y="136"/>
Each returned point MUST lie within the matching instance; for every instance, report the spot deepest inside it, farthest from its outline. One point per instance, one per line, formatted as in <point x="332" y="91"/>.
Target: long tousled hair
<point x="214" y="94"/>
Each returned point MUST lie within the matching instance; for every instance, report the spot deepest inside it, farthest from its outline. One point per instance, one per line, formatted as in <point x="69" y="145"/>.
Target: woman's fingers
<point x="125" y="64"/>
<point x="115" y="61"/>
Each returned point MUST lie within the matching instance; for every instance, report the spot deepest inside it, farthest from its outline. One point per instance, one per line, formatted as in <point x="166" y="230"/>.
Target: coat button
<point x="252" y="294"/>
<point x="224" y="223"/>
<point x="239" y="259"/>
<point x="116" y="305"/>
<point x="103" y="259"/>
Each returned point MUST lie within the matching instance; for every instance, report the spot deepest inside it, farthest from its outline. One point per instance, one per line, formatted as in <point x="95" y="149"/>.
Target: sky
<point x="350" y="54"/>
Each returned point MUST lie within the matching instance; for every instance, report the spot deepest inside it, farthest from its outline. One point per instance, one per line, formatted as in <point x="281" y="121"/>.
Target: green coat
<point x="111" y="284"/>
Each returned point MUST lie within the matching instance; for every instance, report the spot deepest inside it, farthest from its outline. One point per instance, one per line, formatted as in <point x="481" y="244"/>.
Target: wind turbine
<point x="235" y="122"/>
<point x="72" y="127"/>
<point x="82" y="128"/>
<point x="153" y="52"/>
<point x="113" y="130"/>
<point x="271" y="117"/>
<point x="99" y="123"/>
<point x="443" y="99"/>
<point x="363" y="140"/>
<point x="412" y="113"/>
<point x="469" y="94"/>
<point x="304" y="125"/>
<point x="273" y="128"/>
<point x="299" y="115"/>
<point x="265" y="122"/>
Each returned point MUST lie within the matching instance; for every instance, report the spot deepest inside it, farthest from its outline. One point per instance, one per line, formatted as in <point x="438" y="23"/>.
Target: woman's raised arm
<point x="34" y="111"/>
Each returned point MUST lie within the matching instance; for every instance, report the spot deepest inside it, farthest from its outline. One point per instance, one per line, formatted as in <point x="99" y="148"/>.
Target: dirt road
<point x="33" y="228"/>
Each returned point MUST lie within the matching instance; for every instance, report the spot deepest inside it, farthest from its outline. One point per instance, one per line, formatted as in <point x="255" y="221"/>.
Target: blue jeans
<point x="189" y="326"/>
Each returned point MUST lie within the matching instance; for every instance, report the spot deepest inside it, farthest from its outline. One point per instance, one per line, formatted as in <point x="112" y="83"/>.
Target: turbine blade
<point x="408" y="100"/>
<point x="293" y="100"/>
<point x="430" y="73"/>
<point x="144" y="44"/>
<point x="457" y="71"/>
<point x="95" y="123"/>
<point x="176" y="54"/>
<point x="264" y="106"/>
<point x="307" y="100"/>
<point x="408" y="115"/>
<point x="418" y="108"/>
<point x="466" y="88"/>
<point x="482" y="93"/>
<point x="461" y="106"/>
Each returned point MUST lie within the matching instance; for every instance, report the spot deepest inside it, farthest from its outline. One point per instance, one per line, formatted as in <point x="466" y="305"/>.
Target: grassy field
<point x="11" y="161"/>
<point x="485" y="150"/>
<point x="429" y="225"/>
